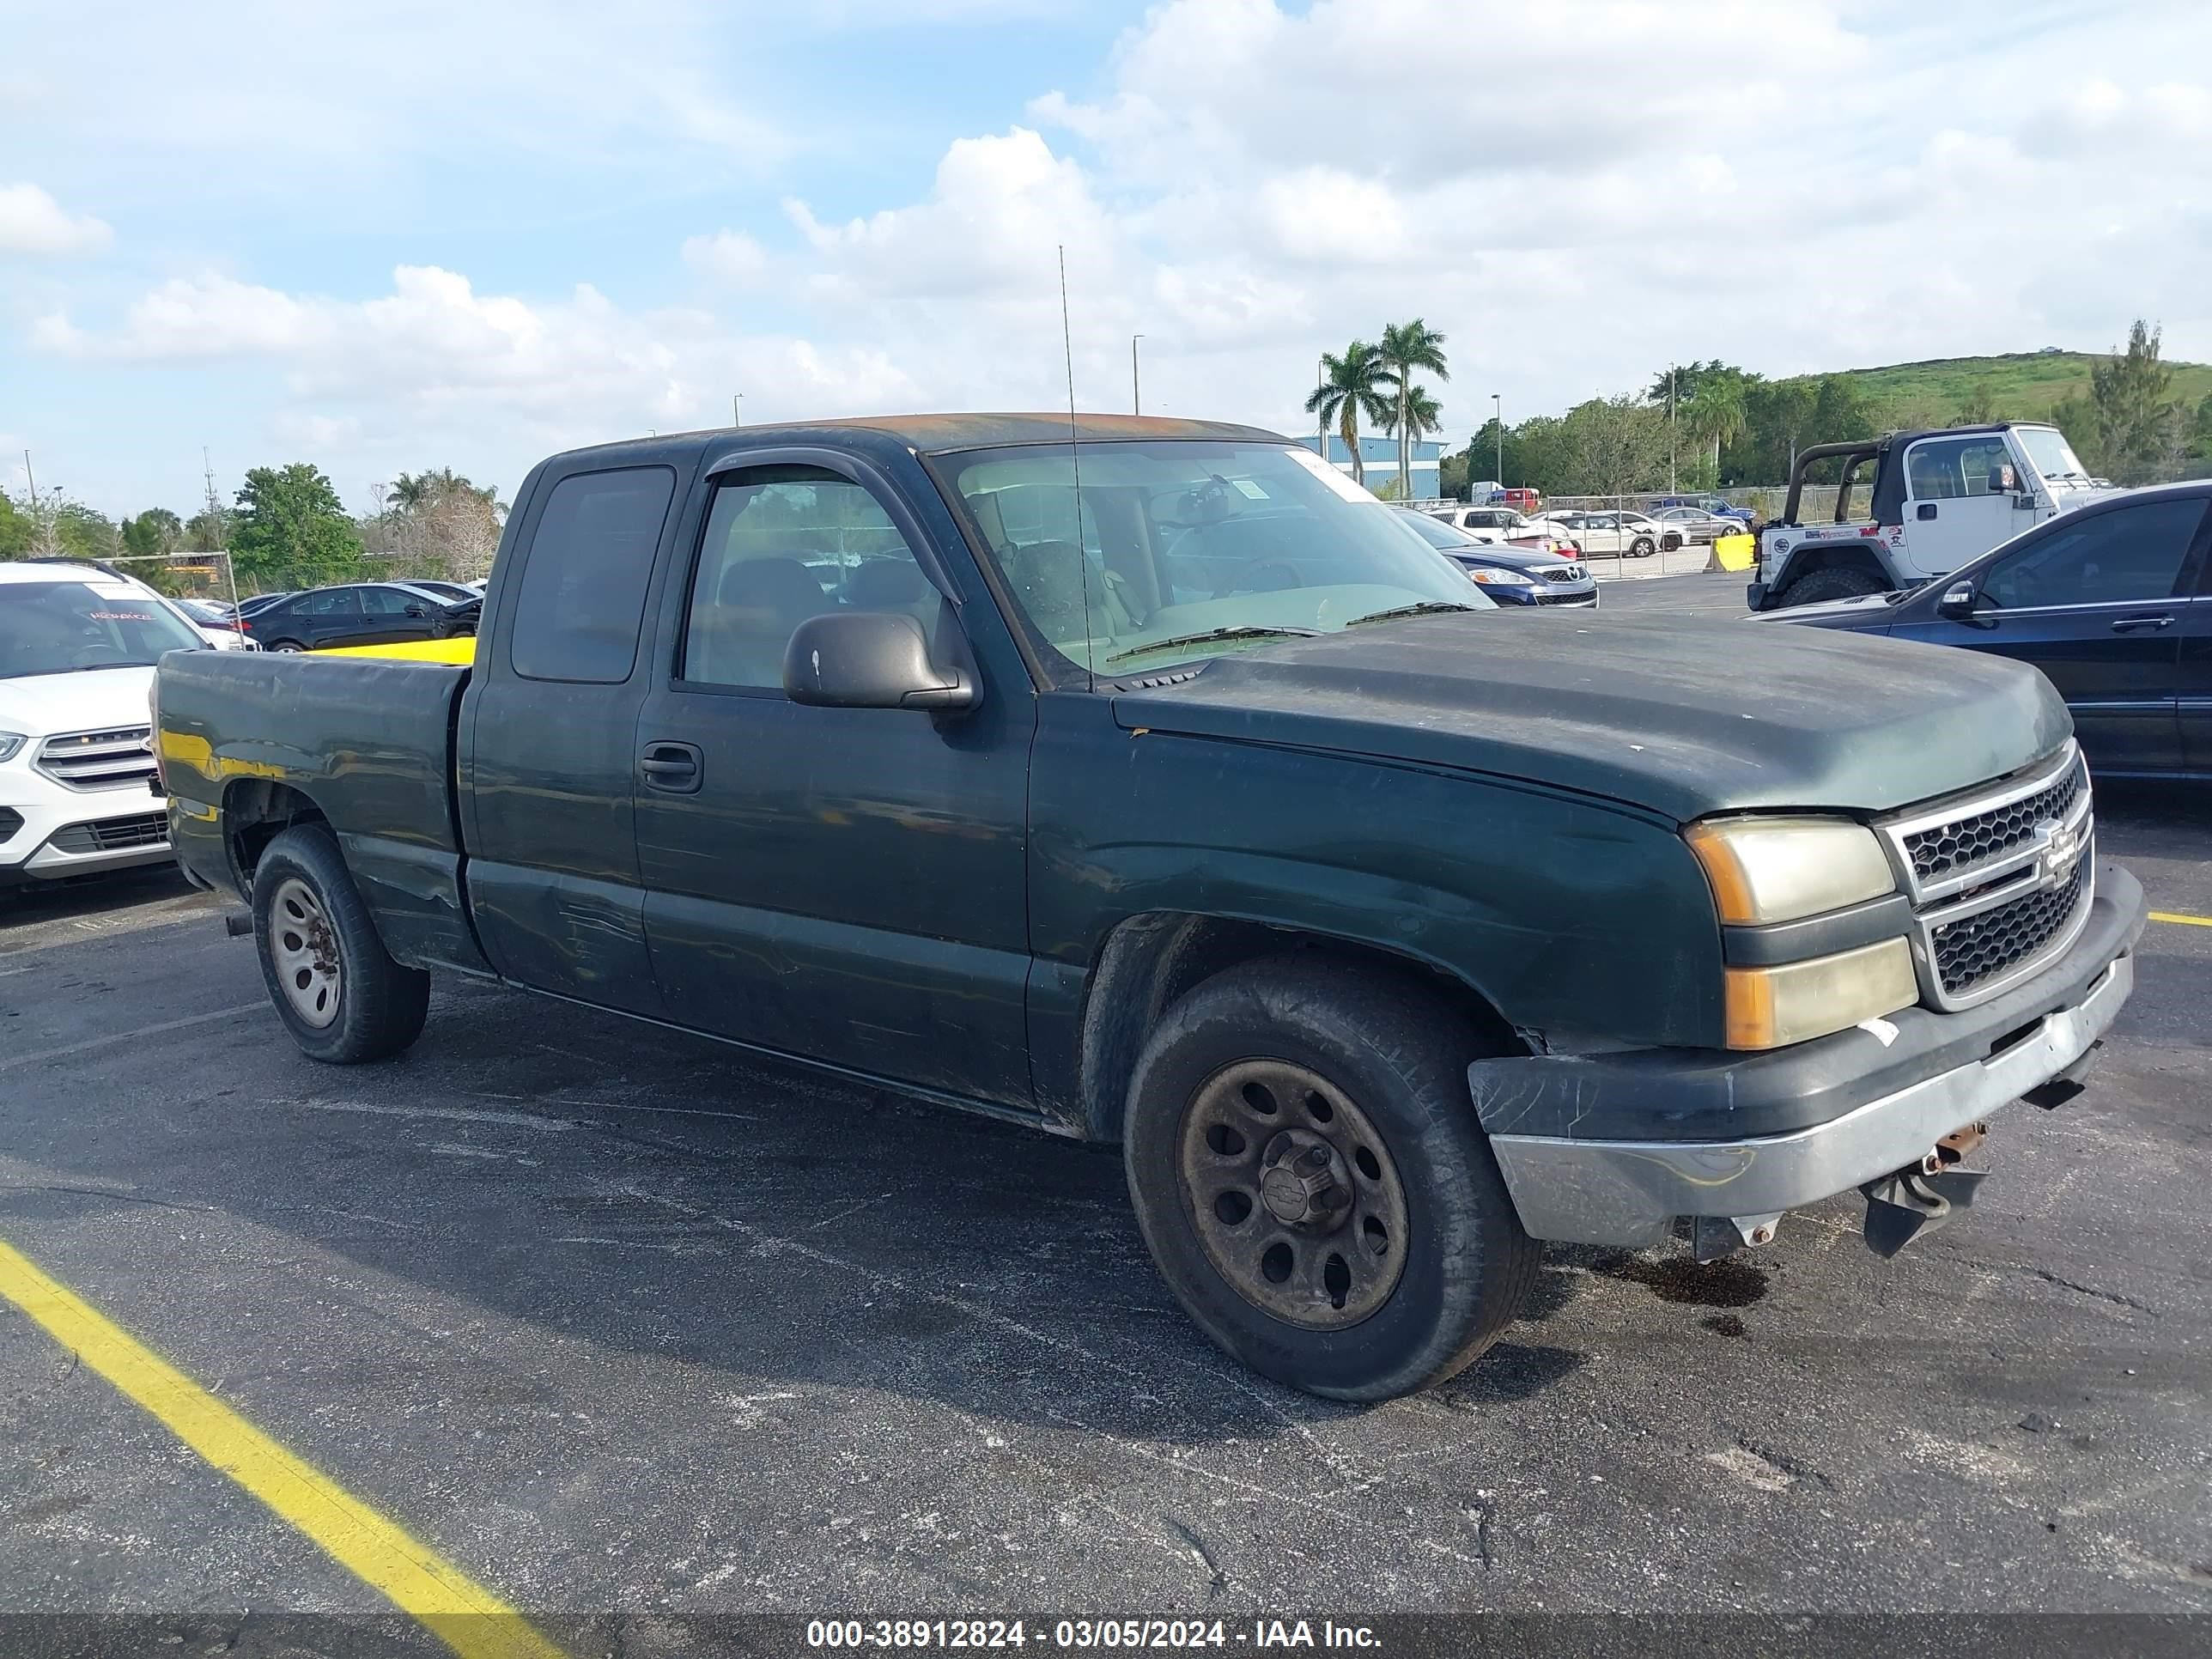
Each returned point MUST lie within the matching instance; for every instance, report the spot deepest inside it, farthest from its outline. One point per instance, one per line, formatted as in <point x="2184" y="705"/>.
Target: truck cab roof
<point x="939" y="434"/>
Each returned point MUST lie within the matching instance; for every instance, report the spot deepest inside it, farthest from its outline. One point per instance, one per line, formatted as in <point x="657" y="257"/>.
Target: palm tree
<point x="410" y="492"/>
<point x="1407" y="347"/>
<point x="1351" y="386"/>
<point x="1422" y="414"/>
<point x="1716" y="413"/>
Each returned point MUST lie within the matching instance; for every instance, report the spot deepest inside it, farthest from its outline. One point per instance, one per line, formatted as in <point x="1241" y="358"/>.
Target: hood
<point x="1683" y="716"/>
<point x="99" y="698"/>
<point x="2074" y="493"/>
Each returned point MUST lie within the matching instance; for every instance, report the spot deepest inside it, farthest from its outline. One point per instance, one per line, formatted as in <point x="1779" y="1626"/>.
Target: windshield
<point x="2046" y="446"/>
<point x="61" y="626"/>
<point x="1181" y="551"/>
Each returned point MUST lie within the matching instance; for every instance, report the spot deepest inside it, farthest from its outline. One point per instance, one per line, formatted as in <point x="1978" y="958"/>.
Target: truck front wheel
<point x="1821" y="586"/>
<point x="335" y="985"/>
<point x="1307" y="1169"/>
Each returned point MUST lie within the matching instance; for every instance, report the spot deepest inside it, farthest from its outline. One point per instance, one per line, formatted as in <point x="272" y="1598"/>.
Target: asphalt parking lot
<point x="626" y="1325"/>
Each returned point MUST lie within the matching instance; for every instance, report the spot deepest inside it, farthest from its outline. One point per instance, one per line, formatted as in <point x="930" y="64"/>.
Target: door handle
<point x="673" y="767"/>
<point x="2130" y="624"/>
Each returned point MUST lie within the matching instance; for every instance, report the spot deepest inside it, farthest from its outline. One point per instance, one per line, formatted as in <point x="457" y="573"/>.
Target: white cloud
<point x="202" y="317"/>
<point x="1323" y="214"/>
<point x="1381" y="87"/>
<point x="32" y="222"/>
<point x="727" y="256"/>
<point x="435" y="362"/>
<point x="998" y="209"/>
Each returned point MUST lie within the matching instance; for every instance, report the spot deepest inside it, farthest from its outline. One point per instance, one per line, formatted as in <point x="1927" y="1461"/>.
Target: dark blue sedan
<point x="1509" y="574"/>
<point x="2112" y="601"/>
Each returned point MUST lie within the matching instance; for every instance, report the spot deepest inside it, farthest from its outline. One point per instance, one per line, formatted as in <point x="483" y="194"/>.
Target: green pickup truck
<point x="1146" y="781"/>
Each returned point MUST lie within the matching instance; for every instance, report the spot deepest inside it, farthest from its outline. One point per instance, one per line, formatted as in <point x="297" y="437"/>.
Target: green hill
<point x="2020" y="385"/>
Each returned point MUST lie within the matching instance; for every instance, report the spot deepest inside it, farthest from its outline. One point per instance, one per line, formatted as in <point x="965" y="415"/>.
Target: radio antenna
<point x="1075" y="464"/>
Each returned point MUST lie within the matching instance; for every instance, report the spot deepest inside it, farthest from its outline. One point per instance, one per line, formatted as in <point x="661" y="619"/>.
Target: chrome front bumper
<point x="1628" y="1192"/>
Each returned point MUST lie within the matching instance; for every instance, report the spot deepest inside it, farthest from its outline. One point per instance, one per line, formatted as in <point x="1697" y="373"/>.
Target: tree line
<point x="1715" y="425"/>
<point x="284" y="528"/>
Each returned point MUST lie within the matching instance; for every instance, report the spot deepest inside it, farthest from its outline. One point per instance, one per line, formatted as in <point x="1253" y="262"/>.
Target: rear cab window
<point x="581" y="602"/>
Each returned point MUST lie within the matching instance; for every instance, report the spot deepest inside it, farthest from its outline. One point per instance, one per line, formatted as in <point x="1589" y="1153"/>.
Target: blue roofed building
<point x="1380" y="457"/>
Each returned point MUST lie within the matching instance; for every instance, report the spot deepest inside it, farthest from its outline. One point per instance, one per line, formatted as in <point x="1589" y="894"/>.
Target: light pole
<point x="737" y="409"/>
<point x="1321" y="416"/>
<point x="1498" y="420"/>
<point x="1672" y="486"/>
<point x="1136" y="391"/>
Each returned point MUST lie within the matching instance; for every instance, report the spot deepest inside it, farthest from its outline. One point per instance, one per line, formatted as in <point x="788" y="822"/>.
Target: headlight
<point x="1778" y="869"/>
<point x="9" y="742"/>
<point x="1770" y="1007"/>
<point x="1490" y="578"/>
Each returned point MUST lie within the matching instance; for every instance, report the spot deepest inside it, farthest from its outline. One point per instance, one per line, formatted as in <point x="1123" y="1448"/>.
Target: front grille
<point x="1982" y="948"/>
<point x="1563" y="574"/>
<point x="10" y="822"/>
<point x="1563" y="598"/>
<point x="1963" y="843"/>
<point x="112" y="835"/>
<point x="100" y="760"/>
<point x="2001" y="880"/>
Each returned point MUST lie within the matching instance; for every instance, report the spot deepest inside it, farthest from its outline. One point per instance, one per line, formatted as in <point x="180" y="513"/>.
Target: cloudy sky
<point x="388" y="236"/>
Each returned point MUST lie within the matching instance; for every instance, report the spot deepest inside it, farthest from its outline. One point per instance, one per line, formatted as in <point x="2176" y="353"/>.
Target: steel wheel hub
<point x="1295" y="1197"/>
<point x="304" y="950"/>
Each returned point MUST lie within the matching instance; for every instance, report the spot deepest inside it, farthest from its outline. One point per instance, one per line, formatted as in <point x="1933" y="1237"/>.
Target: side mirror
<point x="870" y="659"/>
<point x="1958" y="601"/>
<point x="418" y="612"/>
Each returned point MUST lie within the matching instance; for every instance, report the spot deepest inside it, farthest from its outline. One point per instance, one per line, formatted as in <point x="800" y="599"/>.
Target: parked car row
<point x="1504" y="524"/>
<point x="1509" y="573"/>
<point x="361" y="613"/>
<point x="1630" y="535"/>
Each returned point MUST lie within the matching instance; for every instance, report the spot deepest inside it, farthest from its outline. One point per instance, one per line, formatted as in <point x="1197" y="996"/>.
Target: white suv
<point x="78" y="787"/>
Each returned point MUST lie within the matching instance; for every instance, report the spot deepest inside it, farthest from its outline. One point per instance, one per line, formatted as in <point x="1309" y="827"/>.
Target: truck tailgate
<point x="368" y="742"/>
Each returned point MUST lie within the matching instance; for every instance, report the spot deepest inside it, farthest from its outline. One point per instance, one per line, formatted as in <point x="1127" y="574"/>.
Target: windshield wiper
<point x="1241" y="631"/>
<point x="1426" y="608"/>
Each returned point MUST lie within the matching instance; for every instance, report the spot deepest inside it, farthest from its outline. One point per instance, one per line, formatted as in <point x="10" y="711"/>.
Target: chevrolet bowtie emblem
<point x="2061" y="847"/>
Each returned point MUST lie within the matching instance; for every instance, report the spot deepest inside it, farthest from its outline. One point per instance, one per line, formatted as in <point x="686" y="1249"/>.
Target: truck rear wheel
<point x="334" y="985"/>
<point x="1307" y="1171"/>
<point x="1822" y="585"/>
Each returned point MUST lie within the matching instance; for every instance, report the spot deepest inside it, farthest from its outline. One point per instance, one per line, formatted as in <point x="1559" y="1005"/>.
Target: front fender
<point x="1568" y="915"/>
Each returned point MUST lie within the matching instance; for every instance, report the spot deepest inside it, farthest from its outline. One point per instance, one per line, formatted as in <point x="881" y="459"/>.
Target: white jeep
<point x="1938" y="500"/>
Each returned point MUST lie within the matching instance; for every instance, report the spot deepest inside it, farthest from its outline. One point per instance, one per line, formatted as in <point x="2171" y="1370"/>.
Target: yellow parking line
<point x="2181" y="920"/>
<point x="468" y="1618"/>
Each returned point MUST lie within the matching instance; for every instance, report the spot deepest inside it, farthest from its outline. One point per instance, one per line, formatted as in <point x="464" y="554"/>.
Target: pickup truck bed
<point x="369" y="742"/>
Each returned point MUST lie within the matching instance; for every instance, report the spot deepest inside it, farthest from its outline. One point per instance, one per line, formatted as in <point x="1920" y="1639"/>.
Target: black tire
<point x="375" y="1007"/>
<point x="1834" y="584"/>
<point x="286" y="646"/>
<point x="1641" y="548"/>
<point x="1400" y="1055"/>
